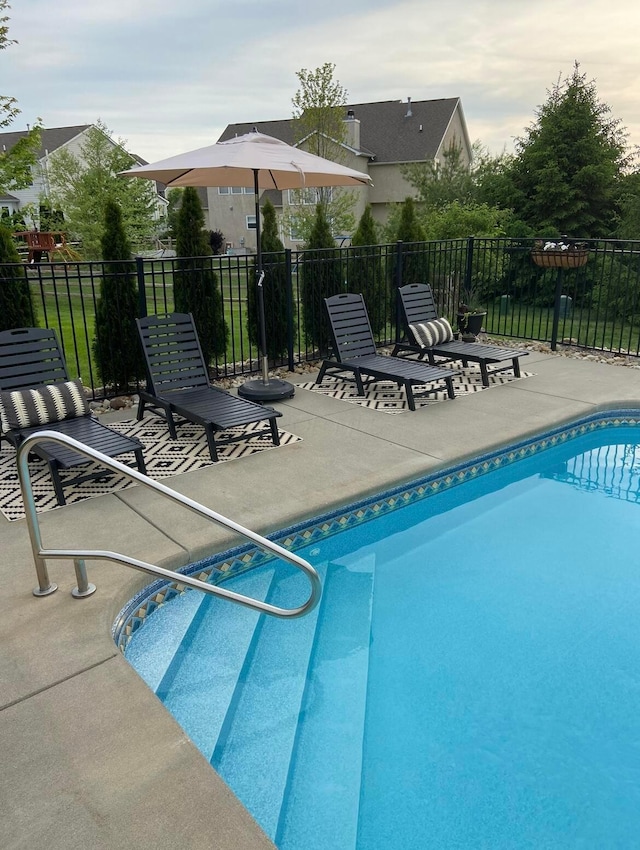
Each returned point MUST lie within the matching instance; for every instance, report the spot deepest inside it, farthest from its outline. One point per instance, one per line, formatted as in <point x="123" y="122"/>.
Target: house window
<point x="235" y="190"/>
<point x="251" y="222"/>
<point x="309" y="197"/>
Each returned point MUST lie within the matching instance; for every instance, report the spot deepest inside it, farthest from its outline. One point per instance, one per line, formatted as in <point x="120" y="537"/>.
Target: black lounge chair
<point x="417" y="307"/>
<point x="178" y="384"/>
<point x="355" y="351"/>
<point x="37" y="395"/>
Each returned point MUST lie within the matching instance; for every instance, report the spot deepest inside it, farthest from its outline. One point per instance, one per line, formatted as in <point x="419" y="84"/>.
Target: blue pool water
<point x="471" y="678"/>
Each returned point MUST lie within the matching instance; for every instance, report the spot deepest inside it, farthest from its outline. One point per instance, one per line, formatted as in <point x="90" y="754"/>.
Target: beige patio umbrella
<point x="262" y="162"/>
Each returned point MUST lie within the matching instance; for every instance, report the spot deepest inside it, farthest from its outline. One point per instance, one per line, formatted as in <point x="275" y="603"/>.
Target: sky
<point x="167" y="76"/>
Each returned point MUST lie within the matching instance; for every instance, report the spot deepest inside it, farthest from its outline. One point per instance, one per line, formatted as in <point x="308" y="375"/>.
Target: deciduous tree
<point x="438" y="183"/>
<point x="16" y="164"/>
<point x="82" y="184"/>
<point x="319" y="127"/>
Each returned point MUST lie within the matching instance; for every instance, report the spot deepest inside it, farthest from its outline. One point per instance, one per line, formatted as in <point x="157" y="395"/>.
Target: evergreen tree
<point x="274" y="289"/>
<point x="321" y="278"/>
<point x="565" y="177"/>
<point x="116" y="346"/>
<point x="195" y="283"/>
<point x="16" y="303"/>
<point x="366" y="270"/>
<point x="629" y="226"/>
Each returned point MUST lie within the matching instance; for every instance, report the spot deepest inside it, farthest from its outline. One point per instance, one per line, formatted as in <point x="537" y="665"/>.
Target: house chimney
<point x="409" y="112"/>
<point x="352" y="137"/>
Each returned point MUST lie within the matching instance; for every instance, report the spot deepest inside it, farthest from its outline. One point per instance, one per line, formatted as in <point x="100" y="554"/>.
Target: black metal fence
<point x="595" y="305"/>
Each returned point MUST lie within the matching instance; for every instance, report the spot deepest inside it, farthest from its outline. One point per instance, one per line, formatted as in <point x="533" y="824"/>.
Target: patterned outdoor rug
<point x="163" y="457"/>
<point x="388" y="398"/>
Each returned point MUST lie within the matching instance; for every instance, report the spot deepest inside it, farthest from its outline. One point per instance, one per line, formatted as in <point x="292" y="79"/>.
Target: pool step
<point x="255" y="743"/>
<point x="325" y="771"/>
<point x="153" y="648"/>
<point x="200" y="681"/>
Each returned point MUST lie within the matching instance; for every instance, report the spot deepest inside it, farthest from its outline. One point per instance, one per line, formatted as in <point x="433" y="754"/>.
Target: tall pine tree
<point x="566" y="175"/>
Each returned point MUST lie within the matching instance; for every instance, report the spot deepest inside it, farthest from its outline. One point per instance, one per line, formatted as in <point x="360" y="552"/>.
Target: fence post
<point x="289" y="278"/>
<point x="142" y="294"/>
<point x="397" y="275"/>
<point x="556" y="309"/>
<point x="468" y="267"/>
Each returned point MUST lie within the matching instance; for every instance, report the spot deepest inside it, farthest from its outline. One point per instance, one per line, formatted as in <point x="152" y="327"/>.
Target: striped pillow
<point x="428" y="334"/>
<point x="4" y="425"/>
<point x="40" y="405"/>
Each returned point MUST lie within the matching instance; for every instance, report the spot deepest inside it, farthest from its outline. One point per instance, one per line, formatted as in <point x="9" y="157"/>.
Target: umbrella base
<point x="272" y="390"/>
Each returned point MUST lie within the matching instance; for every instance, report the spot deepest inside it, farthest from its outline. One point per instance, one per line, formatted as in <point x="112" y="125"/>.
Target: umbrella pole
<point x="266" y="388"/>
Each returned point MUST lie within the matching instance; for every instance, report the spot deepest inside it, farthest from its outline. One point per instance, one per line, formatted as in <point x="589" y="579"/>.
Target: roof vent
<point x="409" y="112"/>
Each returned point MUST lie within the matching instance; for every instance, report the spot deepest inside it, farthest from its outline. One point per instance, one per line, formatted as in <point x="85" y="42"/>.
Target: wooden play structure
<point x="53" y="244"/>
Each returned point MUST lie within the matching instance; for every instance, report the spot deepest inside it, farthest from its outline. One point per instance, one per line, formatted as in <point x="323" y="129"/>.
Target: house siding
<point x="389" y="134"/>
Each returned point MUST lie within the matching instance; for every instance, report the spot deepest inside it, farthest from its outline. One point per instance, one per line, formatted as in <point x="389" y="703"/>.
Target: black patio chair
<point x="36" y="395"/>
<point x="178" y="384"/>
<point x="418" y="308"/>
<point x="356" y="354"/>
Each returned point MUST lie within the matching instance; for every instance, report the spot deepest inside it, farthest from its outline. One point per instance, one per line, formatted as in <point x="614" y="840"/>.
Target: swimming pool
<point x="470" y="679"/>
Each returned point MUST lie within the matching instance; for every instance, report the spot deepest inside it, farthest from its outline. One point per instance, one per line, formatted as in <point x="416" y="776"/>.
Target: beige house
<point x="380" y="138"/>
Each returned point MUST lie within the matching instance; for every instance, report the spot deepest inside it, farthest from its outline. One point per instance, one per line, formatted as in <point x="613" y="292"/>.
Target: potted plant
<point x="471" y="315"/>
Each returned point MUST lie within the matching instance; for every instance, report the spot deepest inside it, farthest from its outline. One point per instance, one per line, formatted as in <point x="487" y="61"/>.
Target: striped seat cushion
<point x="428" y="334"/>
<point x="27" y="408"/>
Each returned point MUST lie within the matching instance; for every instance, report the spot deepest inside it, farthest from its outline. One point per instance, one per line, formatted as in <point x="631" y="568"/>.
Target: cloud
<point x="170" y="76"/>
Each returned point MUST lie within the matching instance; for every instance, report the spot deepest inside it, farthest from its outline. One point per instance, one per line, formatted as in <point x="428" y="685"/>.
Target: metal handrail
<point x="85" y="588"/>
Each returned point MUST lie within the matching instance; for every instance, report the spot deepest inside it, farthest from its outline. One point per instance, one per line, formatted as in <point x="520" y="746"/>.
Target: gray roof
<point x="390" y="131"/>
<point x="51" y="139"/>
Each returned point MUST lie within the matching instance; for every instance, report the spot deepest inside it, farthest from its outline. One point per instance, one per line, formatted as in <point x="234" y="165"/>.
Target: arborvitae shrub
<point x="16" y="304"/>
<point x="116" y="346"/>
<point x="274" y="289"/>
<point x="195" y="283"/>
<point x="321" y="278"/>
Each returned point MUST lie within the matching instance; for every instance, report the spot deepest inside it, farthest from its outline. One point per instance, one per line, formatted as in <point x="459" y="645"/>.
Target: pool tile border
<point x="239" y="559"/>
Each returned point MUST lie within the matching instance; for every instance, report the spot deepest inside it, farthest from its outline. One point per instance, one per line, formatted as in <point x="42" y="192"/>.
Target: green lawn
<point x="71" y="312"/>
<point x="69" y="307"/>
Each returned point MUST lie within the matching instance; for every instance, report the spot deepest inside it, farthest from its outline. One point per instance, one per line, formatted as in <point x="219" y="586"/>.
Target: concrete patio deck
<point x="90" y="759"/>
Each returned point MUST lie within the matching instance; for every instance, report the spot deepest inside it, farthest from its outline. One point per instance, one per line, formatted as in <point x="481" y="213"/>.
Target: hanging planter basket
<point x="572" y="259"/>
